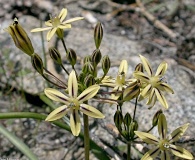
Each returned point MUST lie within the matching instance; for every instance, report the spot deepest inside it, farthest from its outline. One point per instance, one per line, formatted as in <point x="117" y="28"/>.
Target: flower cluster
<point x="86" y="84"/>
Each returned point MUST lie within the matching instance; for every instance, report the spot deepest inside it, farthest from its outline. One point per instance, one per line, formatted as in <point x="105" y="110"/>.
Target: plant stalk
<point x="86" y="136"/>
<point x="128" y="150"/>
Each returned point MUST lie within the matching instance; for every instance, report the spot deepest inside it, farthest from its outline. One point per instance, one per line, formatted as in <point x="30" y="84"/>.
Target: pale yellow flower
<point x="73" y="103"/>
<point x="154" y="86"/>
<point x="57" y="23"/>
<point x="165" y="143"/>
<point x="120" y="82"/>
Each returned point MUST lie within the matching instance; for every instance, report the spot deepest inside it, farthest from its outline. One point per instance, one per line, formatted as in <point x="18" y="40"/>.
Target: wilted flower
<point x="73" y="103"/>
<point x="120" y="82"/>
<point x="56" y="24"/>
<point x="165" y="143"/>
<point x="153" y="84"/>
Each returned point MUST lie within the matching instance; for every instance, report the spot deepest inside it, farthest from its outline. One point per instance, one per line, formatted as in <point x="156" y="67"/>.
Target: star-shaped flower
<point x="73" y="103"/>
<point x="153" y="84"/>
<point x="120" y="82"/>
<point x="165" y="143"/>
<point x="57" y="23"/>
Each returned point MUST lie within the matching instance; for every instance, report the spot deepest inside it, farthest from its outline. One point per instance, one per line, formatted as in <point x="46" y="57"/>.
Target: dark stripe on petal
<point x="74" y="117"/>
<point x="152" y="153"/>
<point x="86" y="109"/>
<point x="84" y="96"/>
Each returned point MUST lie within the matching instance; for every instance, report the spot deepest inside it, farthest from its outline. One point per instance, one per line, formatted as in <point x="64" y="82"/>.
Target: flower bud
<point x="133" y="127"/>
<point x="98" y="34"/>
<point x="105" y="64"/>
<point x="82" y="77"/>
<point x="118" y="119"/>
<point x="96" y="57"/>
<point x="71" y="56"/>
<point x="139" y="67"/>
<point x="87" y="59"/>
<point x="156" y="117"/>
<point x="20" y="37"/>
<point x="88" y="68"/>
<point x="89" y="80"/>
<point x="37" y="63"/>
<point x="55" y="55"/>
<point x="127" y="119"/>
<point x="131" y="91"/>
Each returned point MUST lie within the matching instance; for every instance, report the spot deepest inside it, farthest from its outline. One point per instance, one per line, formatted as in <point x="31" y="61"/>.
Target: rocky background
<point x="128" y="32"/>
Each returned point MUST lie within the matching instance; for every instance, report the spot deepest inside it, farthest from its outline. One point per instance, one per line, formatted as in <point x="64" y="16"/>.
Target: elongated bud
<point x="139" y="67"/>
<point x="105" y="64"/>
<point x="82" y="77"/>
<point x="60" y="33"/>
<point x="37" y="63"/>
<point x="89" y="80"/>
<point x="133" y="127"/>
<point x="96" y="57"/>
<point x="156" y="117"/>
<point x="98" y="34"/>
<point x="20" y="38"/>
<point x="71" y="56"/>
<point x="131" y="91"/>
<point x="88" y="68"/>
<point x="118" y="119"/>
<point x="127" y="119"/>
<point x="87" y="59"/>
<point x="55" y="55"/>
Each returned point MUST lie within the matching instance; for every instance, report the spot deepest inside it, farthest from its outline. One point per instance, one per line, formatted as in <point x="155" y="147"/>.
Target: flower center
<point x="155" y="81"/>
<point x="164" y="145"/>
<point x="120" y="80"/>
<point x="74" y="104"/>
<point x="55" y="22"/>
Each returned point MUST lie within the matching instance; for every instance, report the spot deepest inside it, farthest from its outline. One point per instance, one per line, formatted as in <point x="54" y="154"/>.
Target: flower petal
<point x="141" y="76"/>
<point x="72" y="85"/>
<point x="73" y="19"/>
<point x="151" y="99"/>
<point x="161" y="98"/>
<point x="147" y="137"/>
<point x="165" y="87"/>
<point x="162" y="126"/>
<point x="161" y="69"/>
<point x="57" y="113"/>
<point x="62" y="14"/>
<point x="146" y="65"/>
<point x="48" y="23"/>
<point x="91" y="111"/>
<point x="146" y="91"/>
<point x="64" y="26"/>
<point x="180" y="152"/>
<point x="164" y="155"/>
<point x="56" y="95"/>
<point x="40" y="29"/>
<point x="75" y="123"/>
<point x="88" y="93"/>
<point x="151" y="154"/>
<point x="51" y="33"/>
<point x="123" y="67"/>
<point x="176" y="134"/>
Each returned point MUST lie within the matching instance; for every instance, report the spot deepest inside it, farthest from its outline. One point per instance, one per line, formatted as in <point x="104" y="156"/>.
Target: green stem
<point x="94" y="146"/>
<point x="63" y="42"/>
<point x="43" y="47"/>
<point x="135" y="109"/>
<point x="86" y="136"/>
<point x="64" y="69"/>
<point x="128" y="150"/>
